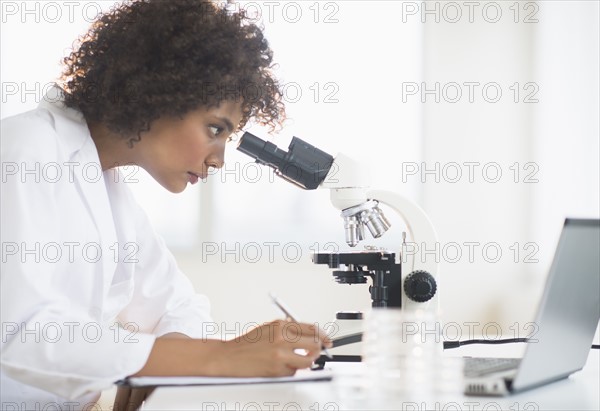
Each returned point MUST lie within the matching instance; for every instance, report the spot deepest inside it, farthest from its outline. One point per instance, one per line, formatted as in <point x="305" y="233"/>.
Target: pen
<point x="289" y="315"/>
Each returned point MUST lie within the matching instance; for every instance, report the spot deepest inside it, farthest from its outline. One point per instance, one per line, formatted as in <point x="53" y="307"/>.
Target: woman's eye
<point x="215" y="130"/>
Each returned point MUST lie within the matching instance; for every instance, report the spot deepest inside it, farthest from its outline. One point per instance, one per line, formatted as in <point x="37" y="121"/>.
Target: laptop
<point x="567" y="318"/>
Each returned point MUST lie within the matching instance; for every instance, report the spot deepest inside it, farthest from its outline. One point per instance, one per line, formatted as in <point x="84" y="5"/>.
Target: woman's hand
<point x="277" y="348"/>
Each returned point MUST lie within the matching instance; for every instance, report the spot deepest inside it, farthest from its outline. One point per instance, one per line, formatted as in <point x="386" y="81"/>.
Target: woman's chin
<point x="174" y="187"/>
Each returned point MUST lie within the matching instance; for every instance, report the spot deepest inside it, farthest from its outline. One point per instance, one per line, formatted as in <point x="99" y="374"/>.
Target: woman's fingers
<point x="292" y="331"/>
<point x="281" y="347"/>
<point x="297" y="337"/>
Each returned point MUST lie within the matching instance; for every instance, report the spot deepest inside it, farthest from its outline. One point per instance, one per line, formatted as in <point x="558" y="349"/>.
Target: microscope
<point x="406" y="279"/>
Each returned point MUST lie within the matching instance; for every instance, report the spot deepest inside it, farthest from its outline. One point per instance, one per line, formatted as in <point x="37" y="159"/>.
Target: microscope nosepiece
<point x="354" y="230"/>
<point x="375" y="221"/>
<point x="367" y="214"/>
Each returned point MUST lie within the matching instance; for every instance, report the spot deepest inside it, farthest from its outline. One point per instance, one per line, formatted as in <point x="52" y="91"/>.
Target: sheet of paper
<point x="301" y="375"/>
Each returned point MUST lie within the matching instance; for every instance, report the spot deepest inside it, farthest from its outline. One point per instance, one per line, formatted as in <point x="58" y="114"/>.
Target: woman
<point x="157" y="84"/>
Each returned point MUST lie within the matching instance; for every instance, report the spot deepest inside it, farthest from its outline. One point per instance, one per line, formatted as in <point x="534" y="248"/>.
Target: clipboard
<point x="300" y="376"/>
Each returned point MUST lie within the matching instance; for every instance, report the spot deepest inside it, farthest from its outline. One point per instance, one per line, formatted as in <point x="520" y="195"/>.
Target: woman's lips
<point x="193" y="178"/>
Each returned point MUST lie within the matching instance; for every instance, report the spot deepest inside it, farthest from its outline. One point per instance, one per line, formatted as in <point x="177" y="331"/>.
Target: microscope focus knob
<point x="420" y="286"/>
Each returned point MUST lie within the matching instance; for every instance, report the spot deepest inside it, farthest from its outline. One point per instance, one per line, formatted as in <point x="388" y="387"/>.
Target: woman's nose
<point x="216" y="161"/>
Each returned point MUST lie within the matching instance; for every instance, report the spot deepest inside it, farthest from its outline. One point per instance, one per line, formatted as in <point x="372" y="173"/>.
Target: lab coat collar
<point x="69" y="123"/>
<point x="78" y="146"/>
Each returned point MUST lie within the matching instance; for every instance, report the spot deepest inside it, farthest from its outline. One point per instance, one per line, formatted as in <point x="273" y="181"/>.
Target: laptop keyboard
<point x="475" y="367"/>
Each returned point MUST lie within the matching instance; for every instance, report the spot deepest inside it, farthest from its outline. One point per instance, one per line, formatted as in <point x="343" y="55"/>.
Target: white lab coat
<point x="77" y="254"/>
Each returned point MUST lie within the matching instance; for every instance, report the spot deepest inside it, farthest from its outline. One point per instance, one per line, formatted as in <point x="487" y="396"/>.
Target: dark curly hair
<point x="151" y="58"/>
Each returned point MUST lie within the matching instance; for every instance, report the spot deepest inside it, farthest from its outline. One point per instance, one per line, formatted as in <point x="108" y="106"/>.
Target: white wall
<point x="554" y="141"/>
<point x="489" y="133"/>
<point x="566" y="126"/>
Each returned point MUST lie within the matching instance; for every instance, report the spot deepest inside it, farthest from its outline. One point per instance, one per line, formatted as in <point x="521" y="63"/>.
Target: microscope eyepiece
<point x="303" y="164"/>
<point x="262" y="151"/>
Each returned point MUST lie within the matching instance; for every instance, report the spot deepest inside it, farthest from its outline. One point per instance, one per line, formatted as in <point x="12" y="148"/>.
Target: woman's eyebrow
<point x="227" y="123"/>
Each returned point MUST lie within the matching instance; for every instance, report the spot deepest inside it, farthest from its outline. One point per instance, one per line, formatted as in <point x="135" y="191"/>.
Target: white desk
<point x="581" y="391"/>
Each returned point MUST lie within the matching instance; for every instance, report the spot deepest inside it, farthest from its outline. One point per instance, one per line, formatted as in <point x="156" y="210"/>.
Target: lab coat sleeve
<point x="164" y="299"/>
<point x="47" y="341"/>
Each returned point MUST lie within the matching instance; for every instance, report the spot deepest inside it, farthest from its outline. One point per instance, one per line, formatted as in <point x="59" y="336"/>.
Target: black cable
<point x="455" y="344"/>
<point x="354" y="338"/>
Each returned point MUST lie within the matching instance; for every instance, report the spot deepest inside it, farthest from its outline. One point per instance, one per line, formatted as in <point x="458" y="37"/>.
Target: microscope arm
<point x="421" y="233"/>
<point x="349" y="183"/>
<point x="422" y="237"/>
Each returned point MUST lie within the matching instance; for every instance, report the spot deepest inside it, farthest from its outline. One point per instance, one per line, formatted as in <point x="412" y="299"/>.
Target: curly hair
<point x="151" y="58"/>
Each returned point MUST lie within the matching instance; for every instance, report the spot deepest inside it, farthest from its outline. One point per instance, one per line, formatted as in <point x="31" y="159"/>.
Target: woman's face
<point x="178" y="151"/>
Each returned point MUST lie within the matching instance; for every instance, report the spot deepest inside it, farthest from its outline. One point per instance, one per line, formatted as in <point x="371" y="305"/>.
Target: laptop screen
<point x="570" y="308"/>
